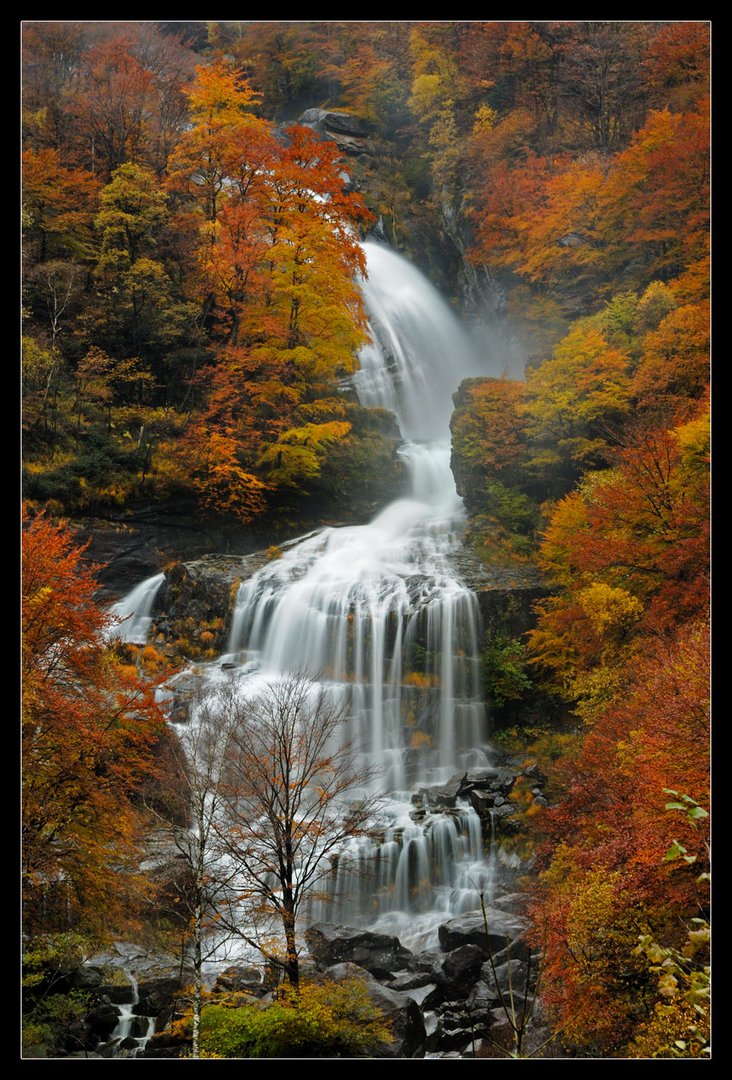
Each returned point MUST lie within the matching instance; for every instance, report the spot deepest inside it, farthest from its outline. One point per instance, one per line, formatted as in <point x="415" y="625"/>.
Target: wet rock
<point x="380" y="954"/>
<point x="433" y="1030"/>
<point x="401" y="1011"/>
<point x="482" y="801"/>
<point x="514" y="971"/>
<point x="482" y="997"/>
<point x="470" y="929"/>
<point x="155" y="996"/>
<point x="348" y="132"/>
<point x="460" y="971"/>
<point x="83" y="1054"/>
<point x="425" y="996"/>
<point x="429" y="960"/>
<point x="535" y="773"/>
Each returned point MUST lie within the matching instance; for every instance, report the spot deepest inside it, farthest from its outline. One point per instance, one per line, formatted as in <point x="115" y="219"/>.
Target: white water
<point x="135" y="611"/>
<point x="378" y="614"/>
<point x="132" y="1026"/>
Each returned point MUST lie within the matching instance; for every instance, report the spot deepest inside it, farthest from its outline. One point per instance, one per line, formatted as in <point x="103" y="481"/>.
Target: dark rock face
<point x="117" y="995"/>
<point x="155" y="996"/>
<point x="469" y="929"/>
<point x="103" y="1020"/>
<point x="348" y="132"/>
<point x="197" y="598"/>
<point x="460" y="970"/>
<point x="86" y="978"/>
<point x="401" y="1012"/>
<point x="380" y="954"/>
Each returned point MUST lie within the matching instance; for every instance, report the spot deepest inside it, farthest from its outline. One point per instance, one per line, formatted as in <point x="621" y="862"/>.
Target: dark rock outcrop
<point x="380" y="954"/>
<point x="460" y="971"/>
<point x="103" y="1020"/>
<point x="470" y="929"/>
<point x="86" y="978"/>
<point x="348" y="132"/>
<point x="156" y="996"/>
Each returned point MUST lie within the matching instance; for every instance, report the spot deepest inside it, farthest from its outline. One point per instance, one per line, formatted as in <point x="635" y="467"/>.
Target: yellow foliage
<point x="421" y="679"/>
<point x="609" y="609"/>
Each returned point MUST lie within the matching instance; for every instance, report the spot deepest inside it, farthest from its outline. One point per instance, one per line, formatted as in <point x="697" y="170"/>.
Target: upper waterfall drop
<point x="419" y="353"/>
<point x="377" y="611"/>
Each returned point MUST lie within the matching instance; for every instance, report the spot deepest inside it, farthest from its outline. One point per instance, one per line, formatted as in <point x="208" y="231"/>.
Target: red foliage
<point x="90" y="723"/>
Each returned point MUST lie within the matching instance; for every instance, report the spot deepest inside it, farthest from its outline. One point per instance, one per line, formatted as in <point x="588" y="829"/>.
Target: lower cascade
<point x="378" y="616"/>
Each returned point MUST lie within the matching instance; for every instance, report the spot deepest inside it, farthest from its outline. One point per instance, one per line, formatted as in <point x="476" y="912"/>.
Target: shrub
<point x="317" y="1020"/>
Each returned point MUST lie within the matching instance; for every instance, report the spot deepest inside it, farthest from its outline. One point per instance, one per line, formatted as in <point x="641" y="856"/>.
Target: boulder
<point x="86" y="978"/>
<point x="239" y="978"/>
<point x="380" y="954"/>
<point x="433" y="1030"/>
<point x="103" y="1020"/>
<point x="470" y="929"/>
<point x="402" y="1013"/>
<point x="460" y="971"/>
<point x="79" y="1036"/>
<point x="155" y="996"/>
<point x="482" y="800"/>
<point x="348" y="132"/>
<point x="411" y="980"/>
<point x="117" y="995"/>
<point x="442" y="796"/>
<point x="514" y="970"/>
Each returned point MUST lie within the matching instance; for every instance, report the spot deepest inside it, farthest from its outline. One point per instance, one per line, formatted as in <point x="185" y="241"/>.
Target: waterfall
<point x="133" y="1031"/>
<point x="378" y="615"/>
<point x="135" y="611"/>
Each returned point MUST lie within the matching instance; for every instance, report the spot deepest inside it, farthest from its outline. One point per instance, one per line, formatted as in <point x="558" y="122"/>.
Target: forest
<point x="262" y="264"/>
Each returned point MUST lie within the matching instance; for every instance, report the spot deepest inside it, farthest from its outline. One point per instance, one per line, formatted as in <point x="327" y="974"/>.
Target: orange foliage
<point x="90" y="724"/>
<point x="674" y="369"/>
<point x="611" y="831"/>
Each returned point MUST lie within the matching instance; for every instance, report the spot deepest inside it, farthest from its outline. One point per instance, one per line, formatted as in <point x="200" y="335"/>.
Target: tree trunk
<point x="291" y="961"/>
<point x="197" y="987"/>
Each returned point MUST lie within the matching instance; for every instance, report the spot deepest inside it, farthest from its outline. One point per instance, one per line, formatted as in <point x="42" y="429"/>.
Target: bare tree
<point x="200" y="754"/>
<point x="288" y="804"/>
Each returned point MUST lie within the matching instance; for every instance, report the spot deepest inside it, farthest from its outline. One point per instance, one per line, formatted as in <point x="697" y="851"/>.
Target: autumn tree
<point x="293" y="793"/>
<point x="614" y="875"/>
<point x="90" y="723"/>
<point x="277" y="258"/>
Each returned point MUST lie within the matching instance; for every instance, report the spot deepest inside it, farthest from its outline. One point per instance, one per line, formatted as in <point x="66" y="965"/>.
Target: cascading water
<point x="378" y="614"/>
<point x="135" y="611"/>
<point x="133" y="1031"/>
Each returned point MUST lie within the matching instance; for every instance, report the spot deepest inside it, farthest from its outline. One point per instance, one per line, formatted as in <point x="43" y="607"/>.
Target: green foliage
<point x="47" y="957"/>
<point x="504" y="670"/>
<point x="319" y="1020"/>
<point x="47" y="1015"/>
